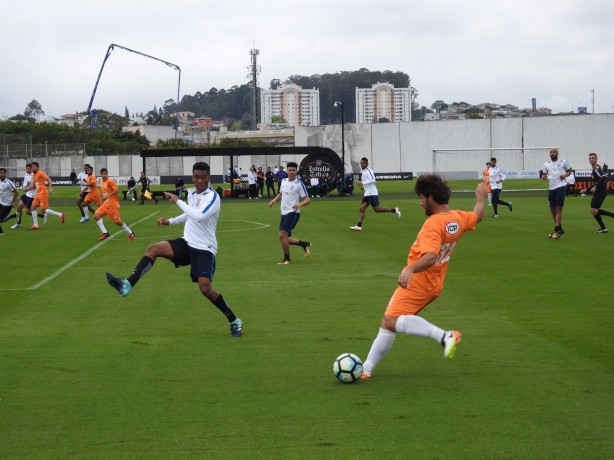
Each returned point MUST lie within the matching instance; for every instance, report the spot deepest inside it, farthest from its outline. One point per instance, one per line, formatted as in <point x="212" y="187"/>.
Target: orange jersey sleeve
<point x="93" y="185"/>
<point x="108" y="187"/>
<point x="39" y="179"/>
<point x="439" y="235"/>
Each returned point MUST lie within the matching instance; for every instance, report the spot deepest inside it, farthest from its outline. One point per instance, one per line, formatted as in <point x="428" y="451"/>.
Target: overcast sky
<point x="502" y="51"/>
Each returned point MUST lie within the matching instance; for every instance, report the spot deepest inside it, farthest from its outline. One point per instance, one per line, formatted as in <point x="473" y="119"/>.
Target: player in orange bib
<point x="93" y="195"/>
<point x="421" y="281"/>
<point x="485" y="176"/>
<point x="110" y="206"/>
<point x="41" y="199"/>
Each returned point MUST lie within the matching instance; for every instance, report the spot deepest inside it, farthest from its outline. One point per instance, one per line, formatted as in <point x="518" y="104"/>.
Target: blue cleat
<point x="119" y="284"/>
<point x="236" y="328"/>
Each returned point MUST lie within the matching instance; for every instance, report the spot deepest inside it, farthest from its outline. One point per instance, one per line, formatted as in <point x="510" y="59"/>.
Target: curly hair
<point x="435" y="186"/>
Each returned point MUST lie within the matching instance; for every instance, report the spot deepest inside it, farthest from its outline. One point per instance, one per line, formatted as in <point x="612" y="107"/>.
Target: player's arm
<point x="304" y="202"/>
<point x="481" y="193"/>
<point x="426" y="261"/>
<point x="14" y="200"/>
<point x="274" y="200"/>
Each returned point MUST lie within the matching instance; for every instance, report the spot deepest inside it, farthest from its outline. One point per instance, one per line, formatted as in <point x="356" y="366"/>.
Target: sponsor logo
<point x="452" y="228"/>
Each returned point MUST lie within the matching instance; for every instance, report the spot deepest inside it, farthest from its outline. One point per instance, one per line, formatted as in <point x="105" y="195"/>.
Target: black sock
<point x="393" y="210"/>
<point x="12" y="216"/>
<point x="599" y="221"/>
<point x="287" y="256"/>
<point x="222" y="306"/>
<point x="40" y="214"/>
<point x="304" y="244"/>
<point x="142" y="267"/>
<point x="602" y="212"/>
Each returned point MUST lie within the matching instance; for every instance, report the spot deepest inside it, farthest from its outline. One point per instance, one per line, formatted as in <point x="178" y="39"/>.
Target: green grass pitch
<point x="85" y="373"/>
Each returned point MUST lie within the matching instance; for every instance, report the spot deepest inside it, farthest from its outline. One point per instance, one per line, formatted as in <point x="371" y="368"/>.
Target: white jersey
<point x="291" y="194"/>
<point x="368" y="182"/>
<point x="554" y="170"/>
<point x="200" y="216"/>
<point x="26" y="181"/>
<point x="7" y="187"/>
<point x="496" y="174"/>
<point x="251" y="177"/>
<point x="82" y="179"/>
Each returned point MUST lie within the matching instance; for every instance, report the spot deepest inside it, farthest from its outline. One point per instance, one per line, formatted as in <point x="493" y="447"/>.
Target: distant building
<point x="72" y="119"/>
<point x="294" y="105"/>
<point x="383" y="101"/>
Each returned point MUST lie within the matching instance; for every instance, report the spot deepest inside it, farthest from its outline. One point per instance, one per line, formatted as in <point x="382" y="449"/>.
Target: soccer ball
<point x="347" y="367"/>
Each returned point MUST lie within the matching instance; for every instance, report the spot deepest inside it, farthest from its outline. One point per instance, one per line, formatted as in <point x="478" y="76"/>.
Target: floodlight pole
<point x="170" y="64"/>
<point x="340" y="104"/>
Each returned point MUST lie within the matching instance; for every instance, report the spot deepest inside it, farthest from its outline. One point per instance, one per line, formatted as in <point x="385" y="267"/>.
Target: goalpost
<point x="474" y="159"/>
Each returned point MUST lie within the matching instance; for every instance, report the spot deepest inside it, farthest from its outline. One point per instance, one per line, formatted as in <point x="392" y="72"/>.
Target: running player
<point x="421" y="281"/>
<point x="110" y="206"/>
<point x="367" y="183"/>
<point x="26" y="199"/>
<point x="41" y="199"/>
<point x="556" y="172"/>
<point x="293" y="196"/>
<point x="8" y="197"/>
<point x="600" y="177"/>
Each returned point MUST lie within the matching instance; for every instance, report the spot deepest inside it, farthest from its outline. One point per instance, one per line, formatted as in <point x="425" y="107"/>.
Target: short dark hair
<point x="201" y="166"/>
<point x="3" y="169"/>
<point x="103" y="170"/>
<point x="364" y="159"/>
<point x="435" y="186"/>
<point x="28" y="165"/>
<point x="291" y="164"/>
<point x="34" y="163"/>
<point x="493" y="159"/>
<point x="593" y="154"/>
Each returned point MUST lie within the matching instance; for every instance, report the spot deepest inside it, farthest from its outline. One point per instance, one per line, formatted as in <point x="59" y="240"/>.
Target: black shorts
<point x="556" y="197"/>
<point x="83" y="194"/>
<point x="27" y="200"/>
<point x="373" y="200"/>
<point x="202" y="262"/>
<point x="4" y="211"/>
<point x="598" y="197"/>
<point x="289" y="221"/>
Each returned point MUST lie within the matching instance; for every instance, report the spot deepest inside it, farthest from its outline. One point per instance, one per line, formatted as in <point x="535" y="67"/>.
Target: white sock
<point x="86" y="212"/>
<point x="51" y="212"/>
<point x="381" y="345"/>
<point x="35" y="218"/>
<point x="101" y="226"/>
<point x="126" y="229"/>
<point x="415" y="325"/>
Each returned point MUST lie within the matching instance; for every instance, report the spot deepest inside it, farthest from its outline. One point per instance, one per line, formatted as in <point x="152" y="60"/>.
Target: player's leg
<point x="361" y="214"/>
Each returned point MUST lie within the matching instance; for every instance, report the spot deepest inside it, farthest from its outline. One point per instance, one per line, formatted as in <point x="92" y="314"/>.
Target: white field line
<point x="98" y="245"/>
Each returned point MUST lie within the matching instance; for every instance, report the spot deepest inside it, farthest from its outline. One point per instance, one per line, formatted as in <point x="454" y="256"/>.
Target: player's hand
<point x="162" y="221"/>
<point x="404" y="278"/>
<point x="171" y="197"/>
<point x="271" y="203"/>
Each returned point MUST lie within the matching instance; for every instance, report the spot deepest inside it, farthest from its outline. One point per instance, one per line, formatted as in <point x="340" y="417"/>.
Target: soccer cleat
<point x="16" y="226"/>
<point x="397" y="211"/>
<point x="284" y="262"/>
<point x="356" y="228"/>
<point x="510" y="206"/>
<point x="365" y="376"/>
<point x="236" y="328"/>
<point x="552" y="233"/>
<point x="104" y="236"/>
<point x="449" y="341"/>
<point x="119" y="284"/>
<point x="34" y="227"/>
<point x="45" y="218"/>
<point x="495" y="215"/>
<point x="84" y="220"/>
<point x="558" y="234"/>
<point x="307" y="248"/>
<point x="601" y="230"/>
<point x="61" y="218"/>
<point x="131" y="236"/>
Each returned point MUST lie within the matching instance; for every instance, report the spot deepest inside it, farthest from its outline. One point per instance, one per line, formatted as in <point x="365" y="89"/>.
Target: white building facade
<point x="383" y="100"/>
<point x="297" y="106"/>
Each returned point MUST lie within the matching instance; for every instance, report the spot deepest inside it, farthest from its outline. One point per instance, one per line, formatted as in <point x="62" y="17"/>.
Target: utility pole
<point x="254" y="71"/>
